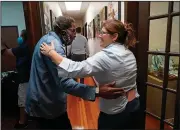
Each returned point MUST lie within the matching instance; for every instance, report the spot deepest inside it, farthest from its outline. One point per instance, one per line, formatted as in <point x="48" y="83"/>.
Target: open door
<point x="158" y="59"/>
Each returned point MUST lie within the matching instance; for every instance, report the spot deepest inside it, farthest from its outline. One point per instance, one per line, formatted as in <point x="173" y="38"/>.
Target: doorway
<point x="158" y="60"/>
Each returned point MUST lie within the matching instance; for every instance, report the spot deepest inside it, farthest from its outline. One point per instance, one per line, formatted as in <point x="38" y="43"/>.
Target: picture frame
<point x="103" y="15"/>
<point x="97" y="25"/>
<point x="52" y="18"/>
<point x="114" y="10"/>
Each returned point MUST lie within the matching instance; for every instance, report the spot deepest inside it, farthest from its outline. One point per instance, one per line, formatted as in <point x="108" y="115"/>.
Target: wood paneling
<point x="33" y="22"/>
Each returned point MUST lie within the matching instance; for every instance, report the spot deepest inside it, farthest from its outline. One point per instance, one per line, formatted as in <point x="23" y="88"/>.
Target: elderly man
<point x="46" y="95"/>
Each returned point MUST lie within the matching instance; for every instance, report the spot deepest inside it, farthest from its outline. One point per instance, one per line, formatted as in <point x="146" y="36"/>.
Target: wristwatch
<point x="97" y="90"/>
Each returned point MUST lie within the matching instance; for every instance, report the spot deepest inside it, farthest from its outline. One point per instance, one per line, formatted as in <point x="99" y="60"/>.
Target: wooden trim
<point x="131" y="16"/>
<point x="94" y="32"/>
<point x="119" y="10"/>
<point x="51" y="19"/>
<point x="105" y="12"/>
<point x="12" y="26"/>
<point x="85" y="32"/>
<point x="153" y="115"/>
<point x="155" y="85"/>
<point x="158" y="16"/>
<point x="175" y="14"/>
<point x="163" y="53"/>
<point x="144" y="11"/>
<point x="177" y="106"/>
<point x="166" y="65"/>
<point x="33" y="22"/>
<point x="42" y="18"/>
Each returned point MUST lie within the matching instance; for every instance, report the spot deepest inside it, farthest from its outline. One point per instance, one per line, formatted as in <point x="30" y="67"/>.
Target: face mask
<point x="67" y="39"/>
<point x="20" y="41"/>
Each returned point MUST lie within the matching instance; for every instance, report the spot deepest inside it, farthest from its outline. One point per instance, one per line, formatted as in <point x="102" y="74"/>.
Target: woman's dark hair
<point x="125" y="31"/>
<point x="62" y="23"/>
<point x="24" y="35"/>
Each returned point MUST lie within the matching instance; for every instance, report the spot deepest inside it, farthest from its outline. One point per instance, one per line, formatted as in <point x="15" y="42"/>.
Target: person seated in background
<point x="23" y="65"/>
<point x="114" y="63"/>
<point x="46" y="95"/>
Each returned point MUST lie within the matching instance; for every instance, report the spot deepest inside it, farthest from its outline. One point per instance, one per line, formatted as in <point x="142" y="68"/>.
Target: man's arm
<point x="72" y="87"/>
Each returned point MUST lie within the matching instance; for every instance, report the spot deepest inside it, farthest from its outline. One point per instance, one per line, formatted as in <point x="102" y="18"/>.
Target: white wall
<point x="54" y="6"/>
<point x="93" y="9"/>
<point x="13" y="15"/>
<point x="79" y="23"/>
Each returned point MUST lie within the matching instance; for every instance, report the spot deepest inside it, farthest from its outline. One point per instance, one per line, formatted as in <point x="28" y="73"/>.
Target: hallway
<point x="158" y="55"/>
<point x="84" y="114"/>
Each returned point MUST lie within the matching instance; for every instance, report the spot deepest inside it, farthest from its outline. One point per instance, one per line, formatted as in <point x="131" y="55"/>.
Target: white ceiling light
<point x="73" y="5"/>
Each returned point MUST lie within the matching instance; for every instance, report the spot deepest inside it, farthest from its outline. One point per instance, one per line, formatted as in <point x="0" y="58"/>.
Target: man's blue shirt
<point x="46" y="94"/>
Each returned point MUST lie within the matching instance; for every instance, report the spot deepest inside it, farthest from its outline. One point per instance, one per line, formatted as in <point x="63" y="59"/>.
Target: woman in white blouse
<point x="115" y="62"/>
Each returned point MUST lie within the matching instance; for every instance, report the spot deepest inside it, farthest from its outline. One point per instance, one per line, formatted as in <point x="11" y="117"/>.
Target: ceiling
<point x="75" y="14"/>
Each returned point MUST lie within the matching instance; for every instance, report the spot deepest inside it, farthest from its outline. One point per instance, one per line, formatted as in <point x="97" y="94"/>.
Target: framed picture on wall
<point x="114" y="10"/>
<point x="46" y="23"/>
<point x="91" y="28"/>
<point x="47" y="20"/>
<point x="97" y="25"/>
<point x="52" y="18"/>
<point x="103" y="15"/>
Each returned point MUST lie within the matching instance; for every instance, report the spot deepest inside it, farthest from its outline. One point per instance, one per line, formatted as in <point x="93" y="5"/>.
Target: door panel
<point x="158" y="62"/>
<point x="9" y="36"/>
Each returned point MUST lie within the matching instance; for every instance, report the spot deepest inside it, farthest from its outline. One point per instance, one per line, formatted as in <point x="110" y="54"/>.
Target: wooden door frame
<point x="33" y="22"/>
<point x="132" y="16"/>
<point x="138" y="14"/>
<point x="85" y="31"/>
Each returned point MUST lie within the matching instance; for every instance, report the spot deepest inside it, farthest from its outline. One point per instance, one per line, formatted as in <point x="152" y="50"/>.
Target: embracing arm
<point x="72" y="87"/>
<point x="77" y="89"/>
<point x="69" y="68"/>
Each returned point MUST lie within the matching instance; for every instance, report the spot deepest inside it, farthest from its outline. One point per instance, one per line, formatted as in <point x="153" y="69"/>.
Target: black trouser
<point x="79" y="57"/>
<point x="127" y="119"/>
<point x="61" y="122"/>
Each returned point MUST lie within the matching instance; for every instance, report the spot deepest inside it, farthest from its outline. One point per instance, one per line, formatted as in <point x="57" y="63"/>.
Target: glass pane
<point x="173" y="72"/>
<point x="158" y="8"/>
<point x="170" y="107"/>
<point x="154" y="99"/>
<point x="157" y="34"/>
<point x="155" y="69"/>
<point x="152" y="123"/>
<point x="175" y="41"/>
<point x="176" y="6"/>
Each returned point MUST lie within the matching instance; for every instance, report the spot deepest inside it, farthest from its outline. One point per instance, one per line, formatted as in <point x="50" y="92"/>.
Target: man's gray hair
<point x="62" y="23"/>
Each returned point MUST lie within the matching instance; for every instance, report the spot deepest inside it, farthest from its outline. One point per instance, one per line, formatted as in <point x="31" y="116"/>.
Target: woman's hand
<point x="46" y="49"/>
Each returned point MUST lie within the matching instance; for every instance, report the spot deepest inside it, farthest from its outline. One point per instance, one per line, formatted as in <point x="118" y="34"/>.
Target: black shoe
<point x="20" y="126"/>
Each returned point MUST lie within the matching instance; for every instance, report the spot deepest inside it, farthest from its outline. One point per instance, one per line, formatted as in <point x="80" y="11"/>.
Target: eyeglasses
<point x="101" y="32"/>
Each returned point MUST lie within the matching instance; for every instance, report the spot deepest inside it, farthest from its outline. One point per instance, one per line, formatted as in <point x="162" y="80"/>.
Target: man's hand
<point x="108" y="91"/>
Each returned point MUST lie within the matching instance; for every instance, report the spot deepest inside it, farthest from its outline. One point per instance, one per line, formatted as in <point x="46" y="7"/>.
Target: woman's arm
<point x="69" y="68"/>
<point x="49" y="51"/>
